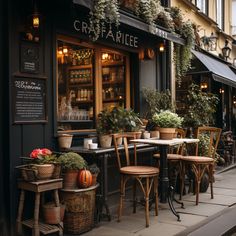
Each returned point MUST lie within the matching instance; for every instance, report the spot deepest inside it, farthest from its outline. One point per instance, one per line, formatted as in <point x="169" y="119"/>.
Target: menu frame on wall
<point x="29" y="99"/>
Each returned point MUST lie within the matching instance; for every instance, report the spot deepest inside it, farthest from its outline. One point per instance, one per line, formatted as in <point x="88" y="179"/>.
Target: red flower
<point x="46" y="152"/>
<point x="40" y="153"/>
<point x="36" y="153"/>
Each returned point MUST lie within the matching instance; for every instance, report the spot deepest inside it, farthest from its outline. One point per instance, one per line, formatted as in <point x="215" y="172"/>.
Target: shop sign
<point x="29" y="58"/>
<point x="29" y="98"/>
<point x="159" y="32"/>
<point x="118" y="37"/>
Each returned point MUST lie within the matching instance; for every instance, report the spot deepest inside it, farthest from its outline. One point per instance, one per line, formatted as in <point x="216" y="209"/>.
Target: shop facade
<point x="55" y="79"/>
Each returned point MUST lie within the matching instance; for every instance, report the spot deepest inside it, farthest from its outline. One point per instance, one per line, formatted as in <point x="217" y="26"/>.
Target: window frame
<point x="204" y="6"/>
<point x="221" y="14"/>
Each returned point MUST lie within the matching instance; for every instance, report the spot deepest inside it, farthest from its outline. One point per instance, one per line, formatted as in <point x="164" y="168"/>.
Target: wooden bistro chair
<point x="200" y="164"/>
<point x="146" y="176"/>
<point x="174" y="158"/>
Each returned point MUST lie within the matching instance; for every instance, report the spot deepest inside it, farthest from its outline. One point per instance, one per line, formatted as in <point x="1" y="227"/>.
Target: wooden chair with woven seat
<point x="146" y="176"/>
<point x="174" y="158"/>
<point x="200" y="164"/>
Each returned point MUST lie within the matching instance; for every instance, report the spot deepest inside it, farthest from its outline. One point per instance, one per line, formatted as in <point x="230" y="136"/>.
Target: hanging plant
<point x="104" y="11"/>
<point x="148" y="10"/>
<point x="182" y="53"/>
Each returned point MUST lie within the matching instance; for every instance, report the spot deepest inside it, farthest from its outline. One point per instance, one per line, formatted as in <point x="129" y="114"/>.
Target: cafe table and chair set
<point x="149" y="178"/>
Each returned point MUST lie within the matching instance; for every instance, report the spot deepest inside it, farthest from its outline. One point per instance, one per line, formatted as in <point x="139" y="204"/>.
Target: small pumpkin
<point x="85" y="178"/>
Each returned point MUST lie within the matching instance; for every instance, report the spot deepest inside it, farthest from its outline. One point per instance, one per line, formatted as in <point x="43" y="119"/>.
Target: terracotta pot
<point x="65" y="140"/>
<point x="94" y="179"/>
<point x="70" y="179"/>
<point x="53" y="214"/>
<point x="155" y="134"/>
<point x="105" y="140"/>
<point x="167" y="133"/>
<point x="45" y="171"/>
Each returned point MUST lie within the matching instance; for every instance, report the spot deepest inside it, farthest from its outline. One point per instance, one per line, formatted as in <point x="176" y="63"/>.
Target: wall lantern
<point x="209" y="42"/>
<point x="226" y="50"/>
<point x="161" y="47"/>
<point x="203" y="86"/>
<point x="234" y="101"/>
<point x="222" y="90"/>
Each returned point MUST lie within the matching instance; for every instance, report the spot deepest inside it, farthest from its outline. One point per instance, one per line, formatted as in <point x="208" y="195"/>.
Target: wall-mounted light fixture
<point x="226" y="50"/>
<point x="222" y="90"/>
<point x="203" y="85"/>
<point x="35" y="17"/>
<point x="209" y="42"/>
<point x="234" y="101"/>
<point x="161" y="47"/>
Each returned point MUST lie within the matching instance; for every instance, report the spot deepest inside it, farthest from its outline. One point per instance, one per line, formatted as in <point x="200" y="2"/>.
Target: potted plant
<point x="154" y="102"/>
<point x="167" y="121"/>
<point x="94" y="169"/>
<point x="71" y="163"/>
<point x="198" y="100"/>
<point x="40" y="158"/>
<point x="107" y="124"/>
<point x="130" y="121"/>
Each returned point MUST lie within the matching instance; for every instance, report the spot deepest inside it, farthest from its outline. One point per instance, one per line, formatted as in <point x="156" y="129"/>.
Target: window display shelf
<point x="73" y="121"/>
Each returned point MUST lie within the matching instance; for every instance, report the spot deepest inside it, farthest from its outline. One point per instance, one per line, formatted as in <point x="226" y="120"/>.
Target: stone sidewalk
<point x="218" y="214"/>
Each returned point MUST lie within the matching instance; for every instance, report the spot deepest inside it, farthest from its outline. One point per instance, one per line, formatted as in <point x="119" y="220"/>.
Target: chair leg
<point x="156" y="194"/>
<point x="211" y="171"/>
<point x="182" y="178"/>
<point x="197" y="182"/>
<point x="147" y="202"/>
<point x="121" y="197"/>
<point x="134" y="196"/>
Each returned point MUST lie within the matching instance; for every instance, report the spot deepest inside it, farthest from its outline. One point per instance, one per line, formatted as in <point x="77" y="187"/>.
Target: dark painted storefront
<point x="19" y="68"/>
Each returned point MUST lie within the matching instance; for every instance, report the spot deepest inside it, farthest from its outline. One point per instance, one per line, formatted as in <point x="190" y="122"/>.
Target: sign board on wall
<point x="29" y="100"/>
<point x="29" y="57"/>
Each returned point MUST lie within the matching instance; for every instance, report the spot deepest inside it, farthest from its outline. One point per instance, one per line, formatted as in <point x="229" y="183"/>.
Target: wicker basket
<point x="29" y="172"/>
<point x="80" y="205"/>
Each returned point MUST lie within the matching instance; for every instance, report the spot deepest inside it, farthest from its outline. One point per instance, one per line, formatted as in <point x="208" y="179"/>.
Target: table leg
<point x="20" y="212"/>
<point x="105" y="186"/>
<point x="56" y="197"/>
<point x="164" y="180"/>
<point x="166" y="191"/>
<point x="36" y="215"/>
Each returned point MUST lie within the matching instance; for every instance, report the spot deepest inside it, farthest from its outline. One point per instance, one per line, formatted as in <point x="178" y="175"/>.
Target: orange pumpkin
<point x="85" y="178"/>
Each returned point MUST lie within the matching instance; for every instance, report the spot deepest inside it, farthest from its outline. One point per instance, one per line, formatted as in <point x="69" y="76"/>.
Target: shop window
<point x="113" y="79"/>
<point x="89" y="79"/>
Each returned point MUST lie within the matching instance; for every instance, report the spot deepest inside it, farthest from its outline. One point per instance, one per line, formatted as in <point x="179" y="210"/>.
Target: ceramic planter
<point x="167" y="133"/>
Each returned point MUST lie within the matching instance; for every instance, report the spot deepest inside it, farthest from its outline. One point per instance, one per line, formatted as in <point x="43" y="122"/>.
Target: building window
<point x="220" y="13"/>
<point x="90" y="78"/>
<point x="202" y="5"/>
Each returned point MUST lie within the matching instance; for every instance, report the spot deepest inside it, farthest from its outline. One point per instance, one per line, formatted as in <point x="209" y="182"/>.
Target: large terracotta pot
<point x="70" y="179"/>
<point x="167" y="133"/>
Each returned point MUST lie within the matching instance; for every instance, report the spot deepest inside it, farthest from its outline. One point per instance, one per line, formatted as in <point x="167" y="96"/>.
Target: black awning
<point x="221" y="72"/>
<point x="131" y="21"/>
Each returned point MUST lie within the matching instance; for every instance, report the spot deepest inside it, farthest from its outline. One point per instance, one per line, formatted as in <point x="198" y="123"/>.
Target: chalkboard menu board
<point x="29" y="100"/>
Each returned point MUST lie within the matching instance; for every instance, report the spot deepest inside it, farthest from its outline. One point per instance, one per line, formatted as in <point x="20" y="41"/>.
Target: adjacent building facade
<point x="214" y="55"/>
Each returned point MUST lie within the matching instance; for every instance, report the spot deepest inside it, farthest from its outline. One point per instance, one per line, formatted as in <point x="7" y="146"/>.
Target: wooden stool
<point x="38" y="187"/>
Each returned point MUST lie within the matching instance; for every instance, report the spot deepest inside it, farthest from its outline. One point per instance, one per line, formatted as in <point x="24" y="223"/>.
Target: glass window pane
<point x="113" y="79"/>
<point x="75" y="86"/>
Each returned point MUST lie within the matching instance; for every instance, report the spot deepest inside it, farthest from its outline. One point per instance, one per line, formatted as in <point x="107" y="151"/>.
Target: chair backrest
<point x="178" y="149"/>
<point x="124" y="150"/>
<point x="209" y="139"/>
